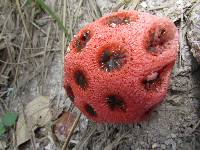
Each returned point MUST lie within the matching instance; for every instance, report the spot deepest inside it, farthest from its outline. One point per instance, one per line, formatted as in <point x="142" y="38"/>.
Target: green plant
<point x="8" y="120"/>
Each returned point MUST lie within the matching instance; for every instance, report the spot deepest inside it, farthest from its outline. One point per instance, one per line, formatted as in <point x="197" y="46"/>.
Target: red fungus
<point x="119" y="66"/>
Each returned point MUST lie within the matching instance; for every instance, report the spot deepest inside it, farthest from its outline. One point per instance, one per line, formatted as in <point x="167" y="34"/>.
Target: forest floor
<point x="32" y="48"/>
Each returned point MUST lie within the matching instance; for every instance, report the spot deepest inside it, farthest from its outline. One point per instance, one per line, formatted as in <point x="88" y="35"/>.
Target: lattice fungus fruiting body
<point x="119" y="66"/>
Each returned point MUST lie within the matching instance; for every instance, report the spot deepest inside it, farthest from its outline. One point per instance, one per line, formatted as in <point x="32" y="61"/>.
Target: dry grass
<point x="29" y="41"/>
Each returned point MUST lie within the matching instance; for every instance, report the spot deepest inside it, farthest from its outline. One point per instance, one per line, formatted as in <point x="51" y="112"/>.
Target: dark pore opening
<point x="157" y="38"/>
<point x="80" y="79"/>
<point x="115" y="20"/>
<point x="115" y="102"/>
<point x="110" y="60"/>
<point x="89" y="109"/>
<point x="81" y="41"/>
<point x="152" y="81"/>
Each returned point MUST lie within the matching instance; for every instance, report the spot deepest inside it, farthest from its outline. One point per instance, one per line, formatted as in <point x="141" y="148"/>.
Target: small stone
<point x="173" y="135"/>
<point x="144" y="4"/>
<point x="155" y="145"/>
<point x="163" y="146"/>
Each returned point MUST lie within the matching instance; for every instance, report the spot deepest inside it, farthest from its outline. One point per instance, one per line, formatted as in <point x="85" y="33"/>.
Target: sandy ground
<point x="173" y="125"/>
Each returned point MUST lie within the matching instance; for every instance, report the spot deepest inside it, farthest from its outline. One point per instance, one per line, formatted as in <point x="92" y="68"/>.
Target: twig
<point x="10" y="51"/>
<point x="4" y="103"/>
<point x="160" y="7"/>
<point x="3" y="69"/>
<point x="135" y="3"/>
<point x="5" y="23"/>
<point x="195" y="127"/>
<point x="181" y="36"/>
<point x="44" y="59"/>
<point x="35" y="25"/>
<point x="63" y="50"/>
<point x="42" y="53"/>
<point x="70" y="16"/>
<point x="71" y="132"/>
<point x="79" y="146"/>
<point x="117" y="7"/>
<point x="63" y="38"/>
<point x="96" y="12"/>
<point x="90" y="12"/>
<point x="19" y="58"/>
<point x="22" y="17"/>
<point x="76" y="13"/>
<point x="10" y="63"/>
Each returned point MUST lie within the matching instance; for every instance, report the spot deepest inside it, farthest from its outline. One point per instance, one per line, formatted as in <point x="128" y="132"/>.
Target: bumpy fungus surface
<point x="118" y="67"/>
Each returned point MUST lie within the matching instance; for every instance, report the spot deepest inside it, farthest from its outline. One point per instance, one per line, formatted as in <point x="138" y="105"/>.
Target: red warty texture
<point x="119" y="66"/>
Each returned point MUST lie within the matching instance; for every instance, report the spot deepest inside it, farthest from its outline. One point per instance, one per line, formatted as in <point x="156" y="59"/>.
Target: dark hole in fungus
<point x="80" y="79"/>
<point x="70" y="93"/>
<point x="115" y="102"/>
<point x="151" y="83"/>
<point x="157" y="38"/>
<point x="90" y="110"/>
<point x="110" y="60"/>
<point x="82" y="40"/>
<point x="115" y="20"/>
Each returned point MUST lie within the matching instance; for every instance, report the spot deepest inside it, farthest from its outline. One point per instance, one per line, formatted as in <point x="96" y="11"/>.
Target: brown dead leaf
<point x="37" y="114"/>
<point x="63" y="125"/>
